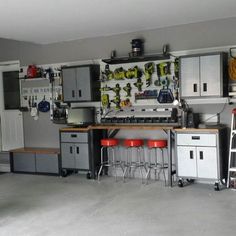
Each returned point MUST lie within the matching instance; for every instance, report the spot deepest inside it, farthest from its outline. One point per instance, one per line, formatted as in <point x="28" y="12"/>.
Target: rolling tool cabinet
<point x="80" y="151"/>
<point x="201" y="154"/>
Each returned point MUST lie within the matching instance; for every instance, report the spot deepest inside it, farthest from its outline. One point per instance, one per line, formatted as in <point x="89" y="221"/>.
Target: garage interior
<point x="136" y="76"/>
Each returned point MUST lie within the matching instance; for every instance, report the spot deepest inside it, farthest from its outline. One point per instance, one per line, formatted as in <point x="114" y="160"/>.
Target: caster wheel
<point x="64" y="173"/>
<point x="217" y="187"/>
<point x="190" y="180"/>
<point x="88" y="176"/>
<point x="180" y="183"/>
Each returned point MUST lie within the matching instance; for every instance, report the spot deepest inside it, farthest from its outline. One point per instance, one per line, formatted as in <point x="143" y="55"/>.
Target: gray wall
<point x="184" y="37"/>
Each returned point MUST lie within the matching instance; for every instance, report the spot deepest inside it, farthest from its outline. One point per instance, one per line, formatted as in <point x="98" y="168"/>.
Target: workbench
<point x="167" y="129"/>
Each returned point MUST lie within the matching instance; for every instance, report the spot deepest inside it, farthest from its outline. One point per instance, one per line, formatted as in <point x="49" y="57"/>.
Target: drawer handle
<point x="71" y="150"/>
<point x="204" y="87"/>
<point x="195" y="137"/>
<point x="201" y="155"/>
<point x="194" y="88"/>
<point x="73" y="136"/>
<point x="73" y="93"/>
<point x="191" y="154"/>
<point x="77" y="150"/>
<point x="80" y="94"/>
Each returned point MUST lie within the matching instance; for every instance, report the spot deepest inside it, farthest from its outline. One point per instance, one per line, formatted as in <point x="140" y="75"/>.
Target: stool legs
<point x="130" y="164"/>
<point x="156" y="165"/>
<point x="109" y="163"/>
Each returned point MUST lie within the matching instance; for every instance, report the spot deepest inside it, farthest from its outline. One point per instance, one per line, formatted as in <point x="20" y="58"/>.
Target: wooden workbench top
<point x="37" y="150"/>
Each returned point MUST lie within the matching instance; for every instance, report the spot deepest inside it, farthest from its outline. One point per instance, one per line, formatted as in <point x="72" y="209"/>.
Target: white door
<point x="207" y="162"/>
<point x="186" y="161"/>
<point x="11" y="128"/>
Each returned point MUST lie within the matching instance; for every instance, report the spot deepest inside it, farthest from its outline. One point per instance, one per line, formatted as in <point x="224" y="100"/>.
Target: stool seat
<point x="133" y="142"/>
<point x="157" y="143"/>
<point x="109" y="142"/>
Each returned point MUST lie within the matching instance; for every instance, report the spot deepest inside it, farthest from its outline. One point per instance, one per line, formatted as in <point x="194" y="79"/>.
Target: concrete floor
<point x="47" y="205"/>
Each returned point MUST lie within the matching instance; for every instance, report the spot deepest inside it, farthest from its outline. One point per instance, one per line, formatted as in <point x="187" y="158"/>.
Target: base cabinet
<point x="35" y="160"/>
<point x="199" y="154"/>
<point x="80" y="151"/>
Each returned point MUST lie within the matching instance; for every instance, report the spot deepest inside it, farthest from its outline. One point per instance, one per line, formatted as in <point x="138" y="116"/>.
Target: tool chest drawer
<point x="196" y="139"/>
<point x="74" y="137"/>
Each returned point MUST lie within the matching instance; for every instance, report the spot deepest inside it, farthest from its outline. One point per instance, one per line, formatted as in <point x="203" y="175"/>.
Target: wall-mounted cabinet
<point x="204" y="75"/>
<point x="81" y="83"/>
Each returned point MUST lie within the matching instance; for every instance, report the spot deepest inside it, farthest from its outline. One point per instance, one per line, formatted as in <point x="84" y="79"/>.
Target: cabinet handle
<point x="71" y="149"/>
<point x="77" y="150"/>
<point x="73" y="136"/>
<point x="80" y="94"/>
<point x="195" y="137"/>
<point x="73" y="93"/>
<point x="201" y="155"/>
<point x="194" y="88"/>
<point x="191" y="154"/>
<point x="205" y="87"/>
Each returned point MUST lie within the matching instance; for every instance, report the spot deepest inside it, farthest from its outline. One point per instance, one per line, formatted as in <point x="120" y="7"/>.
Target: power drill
<point x="119" y="74"/>
<point x="148" y="71"/>
<point x="128" y="89"/>
<point x="133" y="73"/>
<point x="163" y="69"/>
<point x="139" y="84"/>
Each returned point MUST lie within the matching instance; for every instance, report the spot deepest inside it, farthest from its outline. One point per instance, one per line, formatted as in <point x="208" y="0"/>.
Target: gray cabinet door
<point x="67" y="155"/>
<point x="83" y="78"/>
<point x="210" y="75"/>
<point x="69" y="84"/>
<point x="82" y="156"/>
<point x="189" y="77"/>
<point x="24" y="162"/>
<point x="47" y="163"/>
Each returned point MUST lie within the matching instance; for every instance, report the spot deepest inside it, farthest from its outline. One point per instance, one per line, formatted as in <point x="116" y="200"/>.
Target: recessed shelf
<point x="136" y="59"/>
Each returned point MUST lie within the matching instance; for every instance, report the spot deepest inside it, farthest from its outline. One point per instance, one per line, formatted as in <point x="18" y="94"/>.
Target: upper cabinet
<point x="81" y="83"/>
<point x="204" y="75"/>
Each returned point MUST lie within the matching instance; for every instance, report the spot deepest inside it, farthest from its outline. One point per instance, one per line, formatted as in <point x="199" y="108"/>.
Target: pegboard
<point x="153" y="90"/>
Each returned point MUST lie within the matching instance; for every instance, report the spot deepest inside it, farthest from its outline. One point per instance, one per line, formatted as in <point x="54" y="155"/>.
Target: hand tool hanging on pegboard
<point x="134" y="72"/>
<point x="139" y="84"/>
<point x="148" y="71"/>
<point x="128" y="89"/>
<point x="163" y="69"/>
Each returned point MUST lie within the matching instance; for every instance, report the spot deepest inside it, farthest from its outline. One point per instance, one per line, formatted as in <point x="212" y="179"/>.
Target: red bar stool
<point x="134" y="161"/>
<point x="112" y="161"/>
<point x="155" y="145"/>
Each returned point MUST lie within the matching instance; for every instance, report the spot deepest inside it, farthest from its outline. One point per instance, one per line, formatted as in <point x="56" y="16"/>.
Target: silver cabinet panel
<point x="74" y="137"/>
<point x="67" y="155"/>
<point x="81" y="156"/>
<point x="24" y="162"/>
<point x="189" y="75"/>
<point x="187" y="161"/>
<point x="83" y="80"/>
<point x="210" y="75"/>
<point x="46" y="163"/>
<point x="207" y="162"/>
<point x="197" y="139"/>
<point x="69" y="84"/>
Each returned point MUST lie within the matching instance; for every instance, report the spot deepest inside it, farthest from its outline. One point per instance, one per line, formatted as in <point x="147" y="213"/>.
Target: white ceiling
<point x="49" y="21"/>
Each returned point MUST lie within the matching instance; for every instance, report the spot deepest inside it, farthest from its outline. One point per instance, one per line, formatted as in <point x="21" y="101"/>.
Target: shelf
<point x="136" y="59"/>
<point x="196" y="101"/>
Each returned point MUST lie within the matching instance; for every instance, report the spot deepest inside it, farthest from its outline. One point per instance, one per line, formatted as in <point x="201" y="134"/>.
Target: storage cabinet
<point x="199" y="155"/>
<point x="203" y="75"/>
<point x="80" y="151"/>
<point x="35" y="160"/>
<point x="81" y="83"/>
